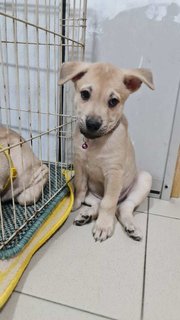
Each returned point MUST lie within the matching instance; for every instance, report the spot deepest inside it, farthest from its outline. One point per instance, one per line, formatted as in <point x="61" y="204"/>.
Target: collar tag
<point x="85" y="145"/>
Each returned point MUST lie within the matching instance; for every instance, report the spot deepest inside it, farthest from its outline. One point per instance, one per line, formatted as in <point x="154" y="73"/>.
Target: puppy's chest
<point x="91" y="155"/>
<point x="93" y="159"/>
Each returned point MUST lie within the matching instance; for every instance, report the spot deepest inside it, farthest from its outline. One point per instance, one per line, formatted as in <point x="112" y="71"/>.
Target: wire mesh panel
<point x="36" y="37"/>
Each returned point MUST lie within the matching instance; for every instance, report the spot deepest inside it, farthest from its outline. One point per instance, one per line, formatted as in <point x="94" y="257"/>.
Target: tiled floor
<point x="74" y="277"/>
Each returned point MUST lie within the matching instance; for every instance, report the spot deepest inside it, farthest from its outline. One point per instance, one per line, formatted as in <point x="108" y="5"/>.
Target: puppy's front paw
<point x="103" y="228"/>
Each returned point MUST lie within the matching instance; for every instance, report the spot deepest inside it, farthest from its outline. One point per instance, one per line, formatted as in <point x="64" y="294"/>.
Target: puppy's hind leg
<point x="89" y="211"/>
<point x="33" y="192"/>
<point x="125" y="210"/>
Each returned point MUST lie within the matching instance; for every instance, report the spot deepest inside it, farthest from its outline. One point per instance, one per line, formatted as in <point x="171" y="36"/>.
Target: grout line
<point x="65" y="305"/>
<point x="158" y="214"/>
<point x="162" y="216"/>
<point x="136" y="211"/>
<point x="145" y="260"/>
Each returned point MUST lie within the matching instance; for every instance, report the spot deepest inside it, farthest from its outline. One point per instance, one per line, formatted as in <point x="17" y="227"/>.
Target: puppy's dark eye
<point x="113" y="102"/>
<point x="85" y="95"/>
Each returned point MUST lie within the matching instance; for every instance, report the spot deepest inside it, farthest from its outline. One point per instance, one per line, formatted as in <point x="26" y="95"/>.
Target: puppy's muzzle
<point x="93" y="124"/>
<point x="92" y="127"/>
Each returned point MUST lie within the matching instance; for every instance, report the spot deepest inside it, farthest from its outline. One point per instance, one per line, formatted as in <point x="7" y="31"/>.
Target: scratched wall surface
<point x="132" y="34"/>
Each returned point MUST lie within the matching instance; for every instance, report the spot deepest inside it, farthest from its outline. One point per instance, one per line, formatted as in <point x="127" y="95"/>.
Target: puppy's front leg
<point x="80" y="184"/>
<point x="104" y="225"/>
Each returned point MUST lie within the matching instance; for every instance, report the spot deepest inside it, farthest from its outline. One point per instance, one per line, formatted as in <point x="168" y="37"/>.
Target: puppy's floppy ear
<point x="73" y="71"/>
<point x="133" y="79"/>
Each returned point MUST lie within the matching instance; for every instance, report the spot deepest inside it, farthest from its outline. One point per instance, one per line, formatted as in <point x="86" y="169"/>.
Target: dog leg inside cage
<point x="32" y="194"/>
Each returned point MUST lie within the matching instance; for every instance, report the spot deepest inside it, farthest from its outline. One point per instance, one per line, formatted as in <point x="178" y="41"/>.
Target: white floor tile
<point x="143" y="207"/>
<point x="103" y="278"/>
<point x="165" y="208"/>
<point x="22" y="307"/>
<point x="162" y="290"/>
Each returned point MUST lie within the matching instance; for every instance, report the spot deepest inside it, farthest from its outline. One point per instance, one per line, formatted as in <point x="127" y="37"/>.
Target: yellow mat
<point x="11" y="270"/>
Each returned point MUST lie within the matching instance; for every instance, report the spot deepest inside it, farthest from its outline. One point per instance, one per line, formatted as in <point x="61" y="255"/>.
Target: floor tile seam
<point x="163" y="216"/>
<point x="145" y="263"/>
<point x="65" y="305"/>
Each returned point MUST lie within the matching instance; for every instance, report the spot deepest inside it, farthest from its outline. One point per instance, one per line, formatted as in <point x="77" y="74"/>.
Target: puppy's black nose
<point x="93" y="124"/>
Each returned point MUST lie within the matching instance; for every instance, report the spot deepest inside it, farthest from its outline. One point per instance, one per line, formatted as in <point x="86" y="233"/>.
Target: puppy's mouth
<point x="92" y="135"/>
<point x="99" y="133"/>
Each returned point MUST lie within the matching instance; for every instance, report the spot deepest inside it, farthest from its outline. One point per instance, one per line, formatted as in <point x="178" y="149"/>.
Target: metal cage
<point x="36" y="37"/>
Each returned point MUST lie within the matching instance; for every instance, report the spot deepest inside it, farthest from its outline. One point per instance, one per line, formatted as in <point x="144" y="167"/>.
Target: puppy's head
<point x="100" y="92"/>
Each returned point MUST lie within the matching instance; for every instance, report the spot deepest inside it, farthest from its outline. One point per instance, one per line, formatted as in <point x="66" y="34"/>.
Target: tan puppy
<point x="31" y="175"/>
<point x="106" y="178"/>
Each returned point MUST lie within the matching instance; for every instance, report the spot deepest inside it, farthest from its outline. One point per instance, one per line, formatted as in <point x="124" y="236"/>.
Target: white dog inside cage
<point x="22" y="175"/>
